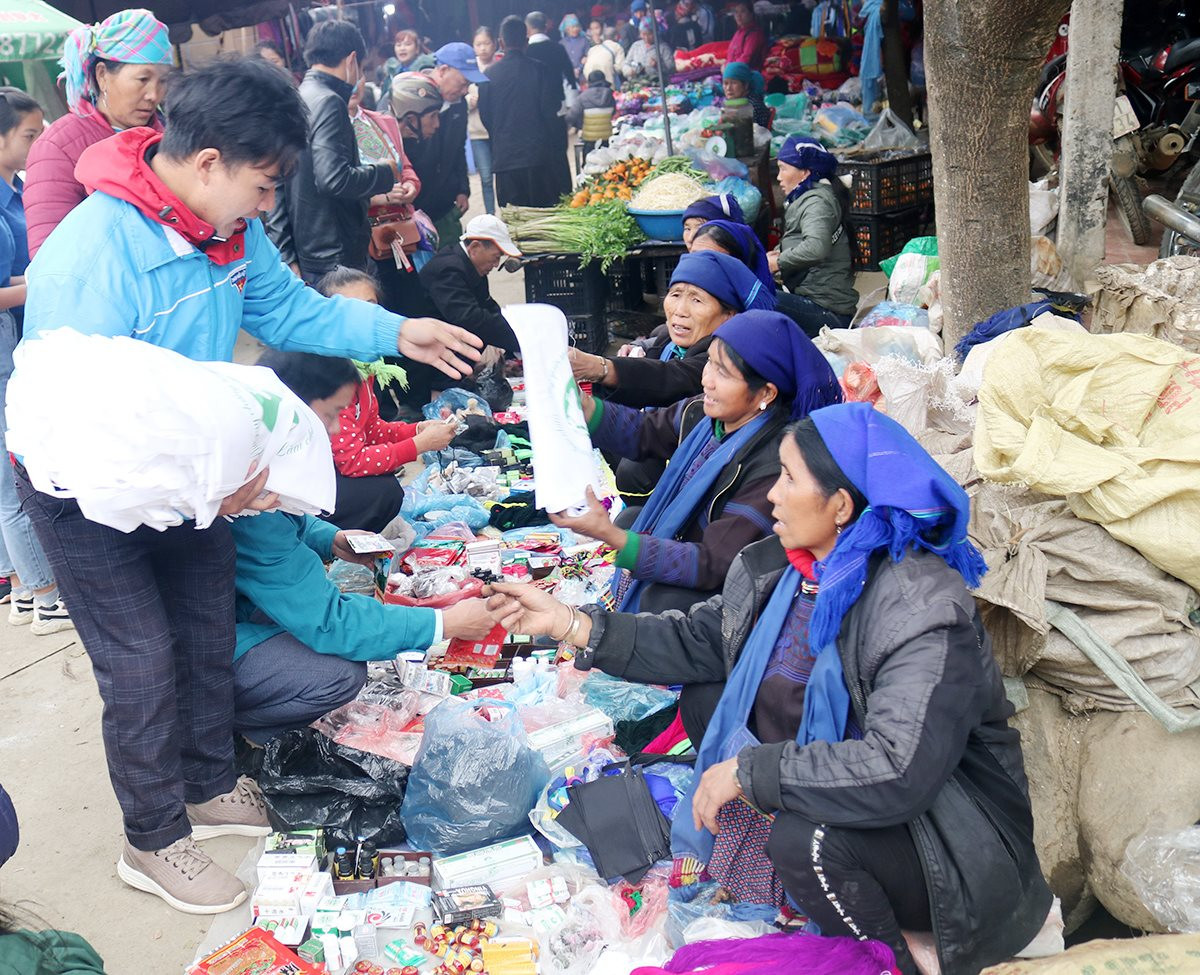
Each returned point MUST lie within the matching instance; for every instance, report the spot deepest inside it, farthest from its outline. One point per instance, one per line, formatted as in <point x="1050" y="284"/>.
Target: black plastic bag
<point x="311" y="782"/>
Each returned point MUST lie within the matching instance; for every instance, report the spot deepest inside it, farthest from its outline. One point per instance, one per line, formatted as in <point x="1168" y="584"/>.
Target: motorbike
<point x="1156" y="117"/>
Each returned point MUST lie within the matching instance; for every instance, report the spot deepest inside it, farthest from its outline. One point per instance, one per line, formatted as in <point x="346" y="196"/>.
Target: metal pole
<point x="662" y="85"/>
<point x="1172" y="216"/>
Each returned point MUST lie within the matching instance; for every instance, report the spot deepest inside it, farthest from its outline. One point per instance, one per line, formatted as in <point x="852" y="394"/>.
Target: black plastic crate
<point x="887" y="182"/>
<point x="876" y="237"/>
<point x="560" y="280"/>
<point x="623" y="286"/>
<point x="589" y="333"/>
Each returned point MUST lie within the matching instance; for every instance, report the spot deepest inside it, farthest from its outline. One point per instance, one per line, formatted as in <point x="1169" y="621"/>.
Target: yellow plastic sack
<point x="1111" y="423"/>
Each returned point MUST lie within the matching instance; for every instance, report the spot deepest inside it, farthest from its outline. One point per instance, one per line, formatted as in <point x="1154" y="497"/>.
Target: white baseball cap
<point x="488" y="227"/>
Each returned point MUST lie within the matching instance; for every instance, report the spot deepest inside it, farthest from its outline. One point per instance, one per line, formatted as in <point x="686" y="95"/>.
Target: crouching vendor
<point x="859" y="767"/>
<point x="302" y="645"/>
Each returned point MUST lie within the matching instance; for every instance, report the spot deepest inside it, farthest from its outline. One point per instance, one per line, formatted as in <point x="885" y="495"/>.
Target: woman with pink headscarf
<point x="114" y="73"/>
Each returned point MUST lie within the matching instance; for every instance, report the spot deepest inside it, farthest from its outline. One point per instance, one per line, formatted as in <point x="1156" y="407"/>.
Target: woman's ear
<point x="844" y="512"/>
<point x="770" y="393"/>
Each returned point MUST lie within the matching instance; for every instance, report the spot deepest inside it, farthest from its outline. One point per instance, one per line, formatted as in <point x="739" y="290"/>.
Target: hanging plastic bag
<point x="309" y="781"/>
<point x="890" y="133"/>
<point x="475" y="778"/>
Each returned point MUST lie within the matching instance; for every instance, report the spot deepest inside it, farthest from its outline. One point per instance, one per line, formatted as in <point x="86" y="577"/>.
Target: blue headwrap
<point x="570" y="20"/>
<point x="775" y="347"/>
<point x="911" y="502"/>
<point x="10" y="835"/>
<point x="724" y="206"/>
<point x="725" y="278"/>
<point x="740" y="71"/>
<point x="750" y="250"/>
<point x="811" y="155"/>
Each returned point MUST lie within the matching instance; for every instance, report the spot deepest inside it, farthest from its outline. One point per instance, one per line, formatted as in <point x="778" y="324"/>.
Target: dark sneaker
<point x="5" y="589"/>
<point x="241" y="812"/>
<point x="50" y="619"/>
<point x="183" y="875"/>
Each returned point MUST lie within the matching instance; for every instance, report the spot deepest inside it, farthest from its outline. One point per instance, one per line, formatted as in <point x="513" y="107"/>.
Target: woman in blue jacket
<point x="302" y="645"/>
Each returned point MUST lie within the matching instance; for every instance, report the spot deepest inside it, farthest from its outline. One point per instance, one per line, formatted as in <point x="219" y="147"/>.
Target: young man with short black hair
<point x="168" y="250"/>
<point x="319" y="221"/>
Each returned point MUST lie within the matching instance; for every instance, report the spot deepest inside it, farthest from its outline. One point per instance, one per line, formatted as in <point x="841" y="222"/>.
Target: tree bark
<point x="1087" y="142"/>
<point x="982" y="59"/>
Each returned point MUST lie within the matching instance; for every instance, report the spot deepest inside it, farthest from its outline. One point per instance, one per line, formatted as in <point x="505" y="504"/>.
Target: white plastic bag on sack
<point x="909" y="276"/>
<point x="841" y="346"/>
<point x="562" y="448"/>
<point x="162" y="439"/>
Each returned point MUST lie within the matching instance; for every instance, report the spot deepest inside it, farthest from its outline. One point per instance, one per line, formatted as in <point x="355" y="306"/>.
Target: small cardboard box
<point x="493" y="865"/>
<point x="284" y="863"/>
<point x="409" y="856"/>
<point x="277" y="898"/>
<point x="286" y="930"/>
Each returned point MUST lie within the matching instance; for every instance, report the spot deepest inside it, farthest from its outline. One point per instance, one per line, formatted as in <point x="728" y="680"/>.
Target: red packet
<point x="255" y="952"/>
<point x="483" y="653"/>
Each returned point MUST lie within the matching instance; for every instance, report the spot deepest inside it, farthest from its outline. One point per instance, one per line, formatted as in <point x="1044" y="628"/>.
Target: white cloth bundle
<point x="149" y="437"/>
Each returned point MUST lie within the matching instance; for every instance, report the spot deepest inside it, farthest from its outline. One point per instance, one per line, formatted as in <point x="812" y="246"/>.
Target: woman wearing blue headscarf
<point x="761" y="372"/>
<point x="859" y="767"/>
<point x="814" y="258"/>
<point x="723" y="206"/>
<point x="736" y="240"/>
<point x="706" y="290"/>
<point x="739" y="80"/>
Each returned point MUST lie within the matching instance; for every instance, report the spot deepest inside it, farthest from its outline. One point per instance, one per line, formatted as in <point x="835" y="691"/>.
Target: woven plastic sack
<point x="475" y="778"/>
<point x="926" y="246"/>
<point x="1111" y="423"/>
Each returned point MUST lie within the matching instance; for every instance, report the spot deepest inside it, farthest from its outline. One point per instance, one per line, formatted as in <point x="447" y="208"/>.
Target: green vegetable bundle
<point x="603" y="231"/>
<point x="678" y="164"/>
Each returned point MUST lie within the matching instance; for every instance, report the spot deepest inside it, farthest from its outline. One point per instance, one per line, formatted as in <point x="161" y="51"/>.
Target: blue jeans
<point x="806" y="313"/>
<point x="481" y="149"/>
<point x="20" y="551"/>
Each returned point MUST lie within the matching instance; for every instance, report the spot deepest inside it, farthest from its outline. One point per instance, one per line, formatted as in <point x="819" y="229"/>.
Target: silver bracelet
<point x="560" y="639"/>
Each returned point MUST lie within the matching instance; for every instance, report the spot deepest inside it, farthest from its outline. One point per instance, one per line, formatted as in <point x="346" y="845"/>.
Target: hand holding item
<point x="522" y="608"/>
<point x="467" y="619"/>
<point x="594" y="523"/>
<point x="247" y="498"/>
<point x="436" y="435"/>
<point x="343" y="551"/>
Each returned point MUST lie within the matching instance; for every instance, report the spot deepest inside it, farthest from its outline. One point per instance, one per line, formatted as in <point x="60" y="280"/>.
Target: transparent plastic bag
<point x="475" y="778"/>
<point x="454" y="400"/>
<point x="890" y="133"/>
<point x="1164" y="867"/>
<point x="698" y="901"/>
<point x="374" y="722"/>
<point x="622" y="700"/>
<point x="352" y="577"/>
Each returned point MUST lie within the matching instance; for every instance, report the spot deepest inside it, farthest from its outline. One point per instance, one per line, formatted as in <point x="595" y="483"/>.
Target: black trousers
<point x="368" y="503"/>
<point x="155" y="612"/>
<point x="532" y="186"/>
<point x="861" y="883"/>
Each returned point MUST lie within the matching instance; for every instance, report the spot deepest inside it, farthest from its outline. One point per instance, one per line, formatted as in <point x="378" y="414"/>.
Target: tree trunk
<point x="1087" y="143"/>
<point x="982" y="59"/>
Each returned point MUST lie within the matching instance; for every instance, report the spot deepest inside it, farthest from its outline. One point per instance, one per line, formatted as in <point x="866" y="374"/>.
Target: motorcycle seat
<point x="1185" y="52"/>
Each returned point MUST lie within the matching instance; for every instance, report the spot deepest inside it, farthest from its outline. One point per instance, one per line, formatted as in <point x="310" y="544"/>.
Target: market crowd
<point x="798" y="564"/>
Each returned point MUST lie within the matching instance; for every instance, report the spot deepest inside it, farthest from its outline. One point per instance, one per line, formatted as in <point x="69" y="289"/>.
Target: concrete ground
<point x="52" y="763"/>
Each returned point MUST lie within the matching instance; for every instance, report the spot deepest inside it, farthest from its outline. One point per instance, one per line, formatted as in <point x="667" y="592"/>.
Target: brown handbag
<point x="393" y="227"/>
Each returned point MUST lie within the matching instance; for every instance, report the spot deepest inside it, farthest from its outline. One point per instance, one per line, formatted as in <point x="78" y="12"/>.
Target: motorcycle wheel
<point x="1129" y="207"/>
<point x="1173" y="243"/>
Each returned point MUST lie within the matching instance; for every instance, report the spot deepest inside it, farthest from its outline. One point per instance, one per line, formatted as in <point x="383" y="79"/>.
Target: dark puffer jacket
<point x="936" y="753"/>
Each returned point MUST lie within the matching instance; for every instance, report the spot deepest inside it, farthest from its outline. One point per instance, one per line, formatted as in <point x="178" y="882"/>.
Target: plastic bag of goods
<point x="475" y="778"/>
<point x="163" y="439"/>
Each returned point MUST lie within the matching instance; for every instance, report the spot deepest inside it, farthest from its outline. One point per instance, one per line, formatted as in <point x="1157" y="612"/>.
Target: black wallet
<point x="619" y="822"/>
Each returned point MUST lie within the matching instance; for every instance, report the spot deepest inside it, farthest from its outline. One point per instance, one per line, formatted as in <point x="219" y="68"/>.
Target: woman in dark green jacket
<point x="814" y="258"/>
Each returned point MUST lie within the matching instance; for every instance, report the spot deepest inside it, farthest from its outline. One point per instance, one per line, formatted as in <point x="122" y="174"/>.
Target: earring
<point x="838" y="526"/>
<point x="761" y="407"/>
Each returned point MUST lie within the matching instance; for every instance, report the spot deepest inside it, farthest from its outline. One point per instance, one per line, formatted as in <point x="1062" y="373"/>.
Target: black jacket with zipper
<point x="320" y="215"/>
<point x="461" y="297"/>
<point x="647" y="381"/>
<point x="937" y="752"/>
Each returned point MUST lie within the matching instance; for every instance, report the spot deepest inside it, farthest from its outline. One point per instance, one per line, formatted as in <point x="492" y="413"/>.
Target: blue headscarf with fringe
<point x="805" y="153"/>
<point x="911" y="503"/>
<point x="723" y="206"/>
<point x="752" y="253"/>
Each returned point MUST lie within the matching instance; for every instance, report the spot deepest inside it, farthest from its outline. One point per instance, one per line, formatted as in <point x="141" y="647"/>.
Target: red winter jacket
<point x="749" y="46"/>
<point x="51" y="189"/>
<point x="367" y="445"/>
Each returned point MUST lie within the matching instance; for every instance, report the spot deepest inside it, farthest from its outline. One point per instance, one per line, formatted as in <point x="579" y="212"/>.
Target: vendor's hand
<point x="467" y="619"/>
<point x="522" y="608"/>
<point x="463" y="202"/>
<point x="246" y="498"/>
<point x="588" y="402"/>
<point x="408" y="192"/>
<point x="343" y="551"/>
<point x="594" y="523"/>
<point x="773" y="261"/>
<point x="437" y="435"/>
<point x="718" y="785"/>
<point x="447" y="348"/>
<point x="585" y="367"/>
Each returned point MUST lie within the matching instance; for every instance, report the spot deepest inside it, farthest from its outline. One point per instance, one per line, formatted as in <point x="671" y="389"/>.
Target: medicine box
<point x="494" y="865"/>
<point x="275" y="864"/>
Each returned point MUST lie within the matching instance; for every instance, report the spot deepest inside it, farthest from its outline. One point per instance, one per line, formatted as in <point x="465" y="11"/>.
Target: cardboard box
<point x="494" y="865"/>
<point x="286" y="930"/>
<point x="285" y="863"/>
<point x="277" y="898"/>
<point x="254" y="952"/>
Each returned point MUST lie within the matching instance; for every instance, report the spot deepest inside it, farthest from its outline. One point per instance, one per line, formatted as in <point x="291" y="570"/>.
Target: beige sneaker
<point x="241" y="812"/>
<point x="183" y="875"/>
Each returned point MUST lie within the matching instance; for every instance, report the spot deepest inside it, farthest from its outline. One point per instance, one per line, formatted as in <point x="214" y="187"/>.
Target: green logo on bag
<point x="270" y="408"/>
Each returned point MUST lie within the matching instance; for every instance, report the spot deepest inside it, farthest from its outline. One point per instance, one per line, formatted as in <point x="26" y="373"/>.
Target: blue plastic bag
<point x="748" y="195"/>
<point x="622" y="700"/>
<point x="475" y="778"/>
<point x="455" y="399"/>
